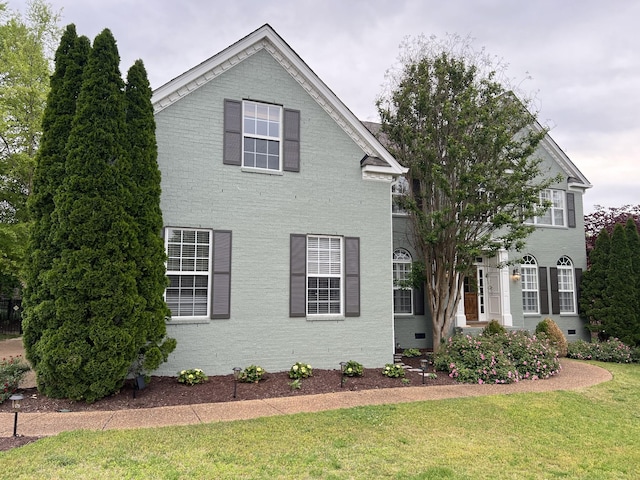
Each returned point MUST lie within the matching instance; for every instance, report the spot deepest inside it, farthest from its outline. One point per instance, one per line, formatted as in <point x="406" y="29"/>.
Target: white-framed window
<point x="402" y="295"/>
<point x="566" y="286"/>
<point x="324" y="275"/>
<point x="189" y="271"/>
<point x="530" y="285"/>
<point x="398" y="190"/>
<point x="555" y="215"/>
<point x="262" y="133"/>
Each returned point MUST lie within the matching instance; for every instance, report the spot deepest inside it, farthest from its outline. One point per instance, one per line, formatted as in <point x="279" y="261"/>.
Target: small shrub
<point x="612" y="350"/>
<point x="295" y="384"/>
<point x="555" y="335"/>
<point x="411" y="352"/>
<point x="431" y="376"/>
<point x="493" y="328"/>
<point x="252" y="374"/>
<point x="393" y="371"/>
<point x="12" y="371"/>
<point x="192" y="376"/>
<point x="353" y="369"/>
<point x="300" y="370"/>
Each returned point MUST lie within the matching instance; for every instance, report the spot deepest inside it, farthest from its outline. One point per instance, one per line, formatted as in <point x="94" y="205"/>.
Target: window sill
<point x="188" y="321"/>
<point x="324" y="318"/>
<point x="264" y="171"/>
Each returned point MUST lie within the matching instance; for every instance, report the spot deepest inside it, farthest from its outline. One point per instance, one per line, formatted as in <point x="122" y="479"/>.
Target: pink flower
<point x="480" y="381"/>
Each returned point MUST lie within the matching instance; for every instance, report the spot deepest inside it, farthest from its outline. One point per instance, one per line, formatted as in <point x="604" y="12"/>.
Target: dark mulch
<point x="166" y="391"/>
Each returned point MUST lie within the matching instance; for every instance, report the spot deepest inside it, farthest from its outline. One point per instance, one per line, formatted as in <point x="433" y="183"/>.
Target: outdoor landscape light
<point x="342" y="367"/>
<point x="423" y="365"/>
<point x="236" y="377"/>
<point x="16" y="398"/>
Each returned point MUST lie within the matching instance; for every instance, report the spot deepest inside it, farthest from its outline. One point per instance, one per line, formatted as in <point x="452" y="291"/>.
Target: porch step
<point x="477" y="324"/>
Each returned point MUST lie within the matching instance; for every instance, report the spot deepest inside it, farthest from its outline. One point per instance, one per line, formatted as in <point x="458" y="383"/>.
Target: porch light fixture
<point x="236" y="377"/>
<point x="515" y="275"/>
<point x="423" y="366"/>
<point x="16" y="398"/>
<point x="342" y="367"/>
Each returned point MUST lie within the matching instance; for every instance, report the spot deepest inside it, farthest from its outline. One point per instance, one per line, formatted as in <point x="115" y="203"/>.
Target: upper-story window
<point x="262" y="130"/>
<point x="566" y="289"/>
<point x="398" y="190"/>
<point x="529" y="283"/>
<point x="402" y="294"/>
<point x="556" y="213"/>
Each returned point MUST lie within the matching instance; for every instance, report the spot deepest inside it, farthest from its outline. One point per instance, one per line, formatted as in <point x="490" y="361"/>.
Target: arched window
<point x="402" y="293"/>
<point x="530" y="285"/>
<point x="566" y="285"/>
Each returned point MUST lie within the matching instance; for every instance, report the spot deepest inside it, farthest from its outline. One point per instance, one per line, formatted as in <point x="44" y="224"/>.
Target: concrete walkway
<point x="574" y="375"/>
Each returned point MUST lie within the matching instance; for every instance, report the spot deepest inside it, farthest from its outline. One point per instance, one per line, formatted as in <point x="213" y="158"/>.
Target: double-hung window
<point x="324" y="275"/>
<point x="262" y="130"/>
<point x="399" y="190"/>
<point x="566" y="290"/>
<point x="556" y="213"/>
<point x="189" y="271"/>
<point x="402" y="294"/>
<point x="529" y="283"/>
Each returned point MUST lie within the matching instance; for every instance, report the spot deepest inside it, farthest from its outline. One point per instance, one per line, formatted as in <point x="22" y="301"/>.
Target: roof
<point x="265" y="38"/>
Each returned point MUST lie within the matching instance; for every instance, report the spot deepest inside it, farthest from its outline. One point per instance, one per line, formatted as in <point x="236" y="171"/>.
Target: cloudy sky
<point x="581" y="58"/>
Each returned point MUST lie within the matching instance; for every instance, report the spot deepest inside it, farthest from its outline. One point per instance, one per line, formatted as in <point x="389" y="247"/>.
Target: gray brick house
<point x="283" y="241"/>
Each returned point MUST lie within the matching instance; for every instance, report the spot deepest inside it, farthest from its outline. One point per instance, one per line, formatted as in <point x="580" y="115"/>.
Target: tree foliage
<point x="608" y="218"/>
<point x="469" y="145"/>
<point x="25" y="54"/>
<point x="100" y="304"/>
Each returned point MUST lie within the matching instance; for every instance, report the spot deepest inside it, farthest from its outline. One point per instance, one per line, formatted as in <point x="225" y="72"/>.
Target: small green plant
<point x="493" y="328"/>
<point x="12" y="370"/>
<point x="411" y="352"/>
<point x="252" y="374"/>
<point x="431" y="376"/>
<point x="353" y="369"/>
<point x="406" y="381"/>
<point x="300" y="370"/>
<point x="393" y="371"/>
<point x="554" y="334"/>
<point x="192" y="376"/>
<point x="295" y="384"/>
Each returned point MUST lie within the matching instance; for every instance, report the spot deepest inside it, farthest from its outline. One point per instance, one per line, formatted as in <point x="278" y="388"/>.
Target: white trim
<point x="265" y="38"/>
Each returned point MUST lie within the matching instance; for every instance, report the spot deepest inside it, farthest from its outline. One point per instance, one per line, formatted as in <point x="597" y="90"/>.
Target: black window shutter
<point x="555" y="295"/>
<point x="291" y="148"/>
<point x="571" y="210"/>
<point x="418" y="300"/>
<point x="221" y="278"/>
<point x="298" y="276"/>
<point x="232" y="144"/>
<point x="352" y="277"/>
<point x="544" y="290"/>
<point x="578" y="274"/>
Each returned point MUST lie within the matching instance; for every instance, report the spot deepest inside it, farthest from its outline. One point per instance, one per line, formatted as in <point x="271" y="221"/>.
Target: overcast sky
<point x="583" y="57"/>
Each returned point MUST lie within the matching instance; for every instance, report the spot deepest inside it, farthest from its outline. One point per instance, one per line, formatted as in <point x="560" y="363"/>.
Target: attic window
<point x="262" y="130"/>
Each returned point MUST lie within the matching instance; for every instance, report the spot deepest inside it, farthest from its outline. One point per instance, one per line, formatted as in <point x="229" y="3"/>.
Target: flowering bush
<point x="497" y="358"/>
<point x="613" y="350"/>
<point x="12" y="370"/>
<point x="353" y="369"/>
<point x="393" y="371"/>
<point x="300" y="370"/>
<point x="192" y="376"/>
<point x="252" y="374"/>
<point x="411" y="352"/>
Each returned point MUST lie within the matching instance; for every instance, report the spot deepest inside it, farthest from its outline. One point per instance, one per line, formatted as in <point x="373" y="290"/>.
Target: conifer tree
<point x="70" y="60"/>
<point x="144" y="177"/>
<point x="619" y="316"/>
<point x="633" y="241"/>
<point x="94" y="277"/>
<point x="594" y="281"/>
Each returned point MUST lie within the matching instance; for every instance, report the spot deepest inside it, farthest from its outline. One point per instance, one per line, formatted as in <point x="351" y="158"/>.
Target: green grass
<point x="591" y="433"/>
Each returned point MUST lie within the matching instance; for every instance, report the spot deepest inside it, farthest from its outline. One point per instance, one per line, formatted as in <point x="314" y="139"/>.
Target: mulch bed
<point x="166" y="391"/>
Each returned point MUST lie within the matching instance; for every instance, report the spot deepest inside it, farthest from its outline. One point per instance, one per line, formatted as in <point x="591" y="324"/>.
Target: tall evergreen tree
<point x="633" y="241"/>
<point x="144" y="175"/>
<point x="619" y="317"/>
<point x="70" y="60"/>
<point x="594" y="282"/>
<point x="94" y="279"/>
